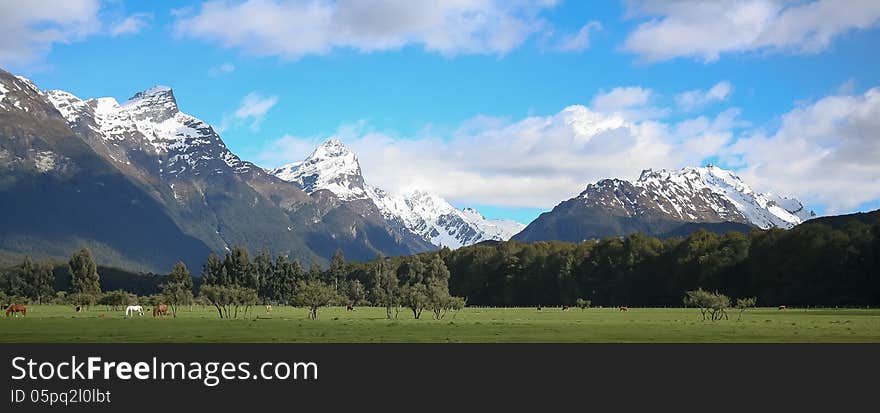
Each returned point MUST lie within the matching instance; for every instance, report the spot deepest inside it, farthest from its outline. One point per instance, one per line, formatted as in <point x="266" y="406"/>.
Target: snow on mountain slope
<point x="698" y="194"/>
<point x="150" y="121"/>
<point x="334" y="167"/>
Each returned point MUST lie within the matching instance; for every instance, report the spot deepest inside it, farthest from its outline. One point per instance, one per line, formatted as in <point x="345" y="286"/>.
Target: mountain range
<point x="666" y="203"/>
<point x="144" y="184"/>
<point x="335" y="168"/>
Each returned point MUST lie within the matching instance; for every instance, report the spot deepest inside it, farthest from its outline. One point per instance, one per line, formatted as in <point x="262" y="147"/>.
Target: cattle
<point x="623" y="308"/>
<point x="349" y="307"/>
<point x="781" y="307"/>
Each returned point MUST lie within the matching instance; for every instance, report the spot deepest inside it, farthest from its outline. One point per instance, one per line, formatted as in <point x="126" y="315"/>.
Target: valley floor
<point x="51" y="323"/>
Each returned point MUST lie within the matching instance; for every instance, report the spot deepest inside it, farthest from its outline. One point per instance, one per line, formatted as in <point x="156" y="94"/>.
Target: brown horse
<point x="16" y="308"/>
<point x="160" y="309"/>
<point x="623" y="308"/>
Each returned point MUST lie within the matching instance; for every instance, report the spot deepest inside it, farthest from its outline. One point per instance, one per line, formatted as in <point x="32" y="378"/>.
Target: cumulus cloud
<point x="694" y="99"/>
<point x="579" y="41"/>
<point x="532" y="162"/>
<point x="630" y="101"/>
<point x="292" y="29"/>
<point x="252" y="110"/>
<point x="825" y="152"/>
<point x="29" y="29"/>
<point x="706" y="29"/>
<point x="132" y="24"/>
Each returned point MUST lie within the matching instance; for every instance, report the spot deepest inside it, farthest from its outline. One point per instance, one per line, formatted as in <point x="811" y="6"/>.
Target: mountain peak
<point x="698" y="193"/>
<point x="332" y="148"/>
<point x="155" y="91"/>
<point x="157" y="103"/>
<point x="331" y="166"/>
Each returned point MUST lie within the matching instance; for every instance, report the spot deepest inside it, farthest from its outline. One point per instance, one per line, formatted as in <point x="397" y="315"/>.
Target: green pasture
<point x="53" y="323"/>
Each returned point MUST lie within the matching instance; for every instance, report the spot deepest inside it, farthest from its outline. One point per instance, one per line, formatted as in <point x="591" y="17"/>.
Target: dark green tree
<point x="84" y="278"/>
<point x="177" y="290"/>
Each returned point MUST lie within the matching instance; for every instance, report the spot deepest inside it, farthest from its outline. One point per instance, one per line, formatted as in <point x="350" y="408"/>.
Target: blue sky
<point x="426" y="106"/>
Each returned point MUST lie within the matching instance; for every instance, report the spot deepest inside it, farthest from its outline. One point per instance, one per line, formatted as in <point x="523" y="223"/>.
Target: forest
<point x="814" y="264"/>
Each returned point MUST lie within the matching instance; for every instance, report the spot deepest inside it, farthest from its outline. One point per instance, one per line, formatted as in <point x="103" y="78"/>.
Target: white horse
<point x="130" y="310"/>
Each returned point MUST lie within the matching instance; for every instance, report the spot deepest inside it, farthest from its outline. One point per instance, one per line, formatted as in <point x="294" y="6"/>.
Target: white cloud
<point x="532" y="162"/>
<point x="293" y="29"/>
<point x="707" y="29"/>
<point x="630" y="101"/>
<point x="29" y="29"/>
<point x="579" y="41"/>
<point x="252" y="110"/>
<point x="825" y="152"/>
<point x="221" y="69"/>
<point x="694" y="99"/>
<point x="132" y="24"/>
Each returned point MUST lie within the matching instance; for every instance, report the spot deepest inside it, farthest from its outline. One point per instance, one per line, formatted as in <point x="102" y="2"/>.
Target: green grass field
<point x="286" y="324"/>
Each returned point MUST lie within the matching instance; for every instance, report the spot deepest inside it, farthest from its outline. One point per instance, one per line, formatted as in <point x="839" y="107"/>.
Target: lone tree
<point x="228" y="299"/>
<point x="583" y="304"/>
<point x="84" y="278"/>
<point x="712" y="305"/>
<point x="178" y="289"/>
<point x="313" y="294"/>
<point x="743" y="304"/>
<point x="415" y="297"/>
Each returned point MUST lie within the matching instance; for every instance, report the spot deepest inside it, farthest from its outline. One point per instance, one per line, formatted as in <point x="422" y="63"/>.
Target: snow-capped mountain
<point x="661" y="202"/>
<point x="150" y="122"/>
<point x="335" y="168"/>
<point x="178" y="168"/>
<point x="698" y="194"/>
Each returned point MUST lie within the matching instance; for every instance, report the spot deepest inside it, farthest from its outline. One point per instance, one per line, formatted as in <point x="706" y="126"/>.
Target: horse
<point x="623" y="308"/>
<point x="268" y="308"/>
<point x="781" y="307"/>
<point x="349" y="307"/>
<point x="14" y="309"/>
<point x="130" y="310"/>
<point x="160" y="309"/>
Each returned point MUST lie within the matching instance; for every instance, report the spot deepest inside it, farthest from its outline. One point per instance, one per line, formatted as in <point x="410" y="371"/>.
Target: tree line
<point x="811" y="265"/>
<point x="236" y="282"/>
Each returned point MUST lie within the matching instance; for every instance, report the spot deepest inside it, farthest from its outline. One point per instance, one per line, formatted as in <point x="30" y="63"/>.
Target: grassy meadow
<point x="52" y="323"/>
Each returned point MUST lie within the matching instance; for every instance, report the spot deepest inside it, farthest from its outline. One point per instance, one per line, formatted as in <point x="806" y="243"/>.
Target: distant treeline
<point x="814" y="264"/>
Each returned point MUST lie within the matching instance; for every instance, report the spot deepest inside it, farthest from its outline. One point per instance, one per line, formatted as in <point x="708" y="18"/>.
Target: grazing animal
<point x="130" y="310"/>
<point x="14" y="309"/>
<point x="539" y="308"/>
<point x="781" y="307"/>
<point x="268" y="308"/>
<point x="349" y="307"/>
<point x="565" y="308"/>
<point x="623" y="308"/>
<point x="78" y="308"/>
<point x="160" y="309"/>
